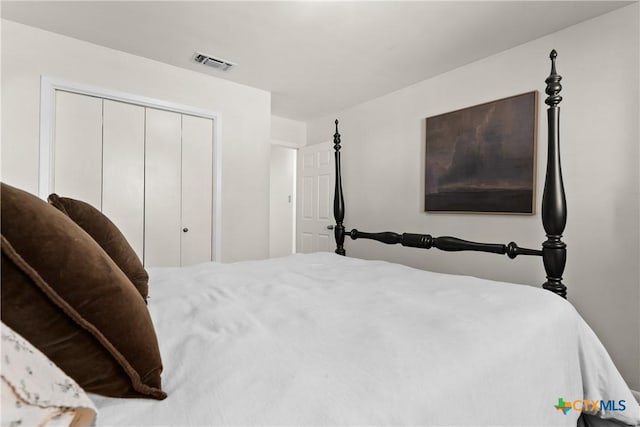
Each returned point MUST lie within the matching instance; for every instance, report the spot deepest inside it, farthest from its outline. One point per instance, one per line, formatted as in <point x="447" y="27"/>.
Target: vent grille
<point x="216" y="63"/>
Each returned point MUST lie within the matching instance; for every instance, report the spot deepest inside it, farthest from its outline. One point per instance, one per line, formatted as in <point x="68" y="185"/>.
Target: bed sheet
<point x="320" y="339"/>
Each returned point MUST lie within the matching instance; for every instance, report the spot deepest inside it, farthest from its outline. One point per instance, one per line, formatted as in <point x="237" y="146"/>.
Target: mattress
<point x="320" y="339"/>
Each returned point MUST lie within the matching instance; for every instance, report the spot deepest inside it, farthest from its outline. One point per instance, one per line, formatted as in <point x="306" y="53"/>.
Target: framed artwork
<point x="483" y="158"/>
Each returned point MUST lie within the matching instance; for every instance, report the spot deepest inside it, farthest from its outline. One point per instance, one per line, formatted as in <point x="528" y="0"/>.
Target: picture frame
<point x="482" y="159"/>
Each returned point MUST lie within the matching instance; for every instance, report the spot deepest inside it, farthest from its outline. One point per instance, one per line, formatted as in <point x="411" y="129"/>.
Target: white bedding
<point x="321" y="339"/>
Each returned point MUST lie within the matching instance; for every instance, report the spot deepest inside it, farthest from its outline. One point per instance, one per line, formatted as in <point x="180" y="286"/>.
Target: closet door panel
<point x="197" y="189"/>
<point x="123" y="170"/>
<point x="162" y="188"/>
<point x="77" y="171"/>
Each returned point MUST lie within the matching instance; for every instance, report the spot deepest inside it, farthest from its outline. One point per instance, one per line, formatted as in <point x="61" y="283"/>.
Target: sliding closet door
<point x="123" y="170"/>
<point x="197" y="189"/>
<point x="163" y="187"/>
<point x="78" y="147"/>
<point x="149" y="170"/>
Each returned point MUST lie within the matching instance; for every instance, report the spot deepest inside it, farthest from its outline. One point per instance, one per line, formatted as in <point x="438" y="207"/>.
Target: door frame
<point x="49" y="85"/>
<point x="294" y="195"/>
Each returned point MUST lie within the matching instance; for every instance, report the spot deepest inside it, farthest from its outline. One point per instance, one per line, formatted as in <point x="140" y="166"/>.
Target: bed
<point x="321" y="339"/>
<point x="324" y="339"/>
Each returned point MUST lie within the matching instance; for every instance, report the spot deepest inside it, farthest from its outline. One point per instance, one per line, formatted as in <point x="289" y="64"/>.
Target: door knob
<point x="184" y="230"/>
<point x="330" y="227"/>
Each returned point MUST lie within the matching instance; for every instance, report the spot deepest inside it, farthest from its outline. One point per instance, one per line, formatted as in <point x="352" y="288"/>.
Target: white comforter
<point x="321" y="339"/>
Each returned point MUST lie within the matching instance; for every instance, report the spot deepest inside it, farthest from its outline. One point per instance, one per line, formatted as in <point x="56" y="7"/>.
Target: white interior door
<point x="163" y="176"/>
<point x="123" y="170"/>
<point x="197" y="190"/>
<point x="150" y="170"/>
<point x="282" y="201"/>
<point x="315" y="198"/>
<point x="78" y="147"/>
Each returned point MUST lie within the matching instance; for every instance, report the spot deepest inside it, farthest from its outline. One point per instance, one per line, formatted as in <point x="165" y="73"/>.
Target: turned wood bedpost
<point x="554" y="204"/>
<point x="338" y="199"/>
<point x="554" y="208"/>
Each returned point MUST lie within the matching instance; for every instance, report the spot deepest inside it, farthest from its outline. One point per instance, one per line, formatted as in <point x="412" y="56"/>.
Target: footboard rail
<point x="444" y="243"/>
<point x="554" y="207"/>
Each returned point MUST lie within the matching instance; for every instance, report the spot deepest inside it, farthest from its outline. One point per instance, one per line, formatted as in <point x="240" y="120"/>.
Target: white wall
<point x="287" y="136"/>
<point x="291" y="133"/>
<point x="282" y="211"/>
<point x="28" y="53"/>
<point x="384" y="149"/>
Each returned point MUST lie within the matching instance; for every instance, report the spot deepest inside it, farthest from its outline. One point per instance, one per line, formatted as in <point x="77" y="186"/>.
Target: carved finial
<point x="553" y="83"/>
<point x="336" y="138"/>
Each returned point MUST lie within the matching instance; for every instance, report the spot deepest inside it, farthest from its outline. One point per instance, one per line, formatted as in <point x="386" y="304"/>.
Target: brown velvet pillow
<point x="108" y="236"/>
<point x="64" y="294"/>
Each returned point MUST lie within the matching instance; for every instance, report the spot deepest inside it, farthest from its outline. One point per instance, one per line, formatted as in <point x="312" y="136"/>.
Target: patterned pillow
<point x="35" y="391"/>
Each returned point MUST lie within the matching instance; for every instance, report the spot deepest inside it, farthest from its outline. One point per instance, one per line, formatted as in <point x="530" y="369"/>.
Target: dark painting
<point x="482" y="158"/>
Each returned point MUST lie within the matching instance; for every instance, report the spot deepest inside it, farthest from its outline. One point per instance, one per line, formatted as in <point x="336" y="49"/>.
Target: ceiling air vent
<point x="216" y="63"/>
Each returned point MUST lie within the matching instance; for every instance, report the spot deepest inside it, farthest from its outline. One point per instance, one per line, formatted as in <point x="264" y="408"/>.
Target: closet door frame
<point x="48" y="88"/>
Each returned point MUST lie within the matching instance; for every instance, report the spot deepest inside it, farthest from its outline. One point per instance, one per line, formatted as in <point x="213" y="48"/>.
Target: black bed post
<point x="338" y="199"/>
<point x="554" y="204"/>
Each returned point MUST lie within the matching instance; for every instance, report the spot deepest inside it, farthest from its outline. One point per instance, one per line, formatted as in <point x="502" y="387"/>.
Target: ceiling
<point x="314" y="57"/>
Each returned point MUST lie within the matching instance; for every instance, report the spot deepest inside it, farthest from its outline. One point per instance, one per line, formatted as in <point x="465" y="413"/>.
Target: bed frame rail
<point x="444" y="243"/>
<point x="554" y="208"/>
